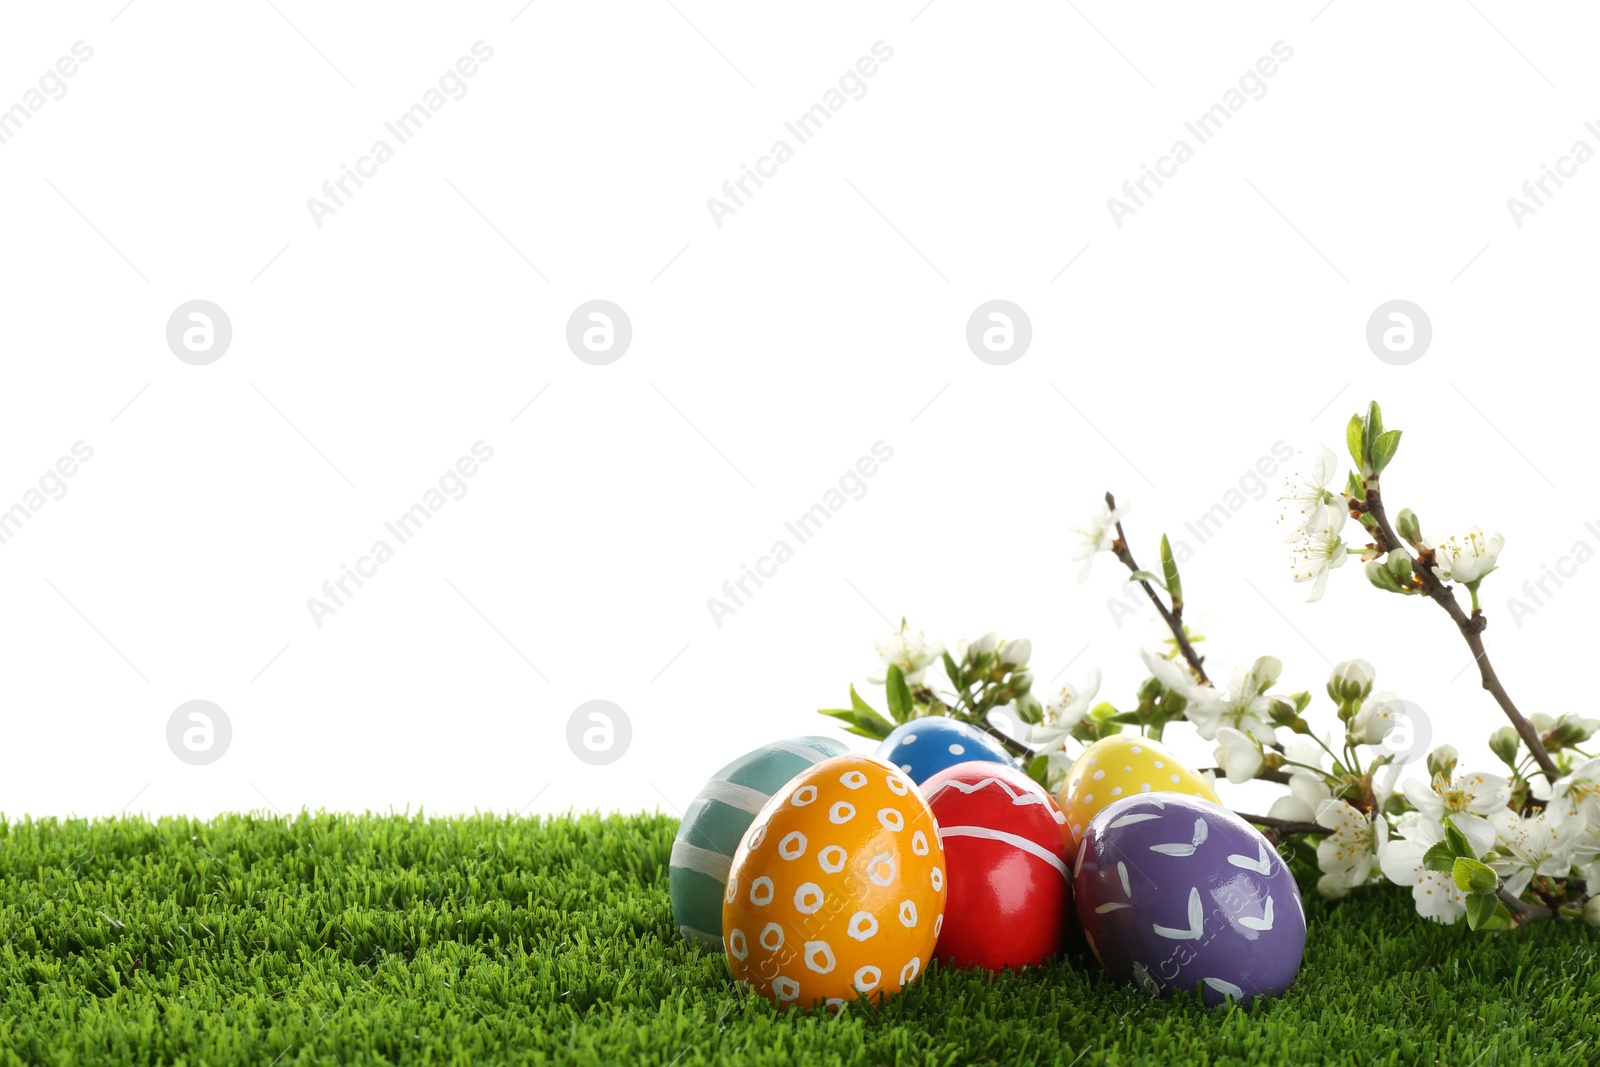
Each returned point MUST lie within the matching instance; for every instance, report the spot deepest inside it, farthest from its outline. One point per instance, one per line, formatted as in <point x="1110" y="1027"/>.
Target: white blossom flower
<point x="1307" y="788"/>
<point x="983" y="646"/>
<point x="1070" y="704"/>
<point x="1306" y="794"/>
<point x="1433" y="892"/>
<point x="1544" y="844"/>
<point x="1248" y="709"/>
<point x="1062" y="712"/>
<point x="1320" y="551"/>
<point x="1346" y="856"/>
<point x="1466" y="559"/>
<point x="1384" y="782"/>
<point x="1174" y="675"/>
<point x="1591" y="876"/>
<point x="909" y="649"/>
<point x="1016" y="653"/>
<point x="1308" y="498"/>
<point x="1376" y="719"/>
<point x="1238" y="754"/>
<point x="1465" y="801"/>
<point x="1579" y="791"/>
<point x="1097" y="535"/>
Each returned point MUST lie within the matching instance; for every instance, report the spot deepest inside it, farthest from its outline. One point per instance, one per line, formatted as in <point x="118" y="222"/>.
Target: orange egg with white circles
<point x="837" y="889"/>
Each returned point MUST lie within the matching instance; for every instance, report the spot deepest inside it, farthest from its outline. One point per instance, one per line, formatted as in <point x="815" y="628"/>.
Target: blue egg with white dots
<point x="924" y="747"/>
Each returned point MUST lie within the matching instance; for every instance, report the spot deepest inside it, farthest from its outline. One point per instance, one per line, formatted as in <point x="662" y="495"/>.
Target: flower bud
<point x="1573" y="729"/>
<point x="1351" y="681"/>
<point x="1505" y="743"/>
<point x="1442" y="761"/>
<point x="1591" y="911"/>
<point x="1545" y="726"/>
<point x="1409" y="526"/>
<point x="1016" y="653"/>
<point x="1021" y="681"/>
<point x="983" y="646"/>
<point x="1379" y="575"/>
<point x="1265" y="671"/>
<point x="1399" y="567"/>
<point x="1375" y="720"/>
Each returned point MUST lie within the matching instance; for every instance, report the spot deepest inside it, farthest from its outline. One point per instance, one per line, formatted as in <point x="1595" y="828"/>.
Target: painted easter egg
<point x="716" y="821"/>
<point x="1175" y="892"/>
<point x="924" y="747"/>
<point x="1005" y="843"/>
<point x="837" y="888"/>
<point x="1119" y="766"/>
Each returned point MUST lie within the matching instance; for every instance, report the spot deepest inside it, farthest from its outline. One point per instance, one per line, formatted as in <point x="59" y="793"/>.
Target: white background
<point x="768" y="354"/>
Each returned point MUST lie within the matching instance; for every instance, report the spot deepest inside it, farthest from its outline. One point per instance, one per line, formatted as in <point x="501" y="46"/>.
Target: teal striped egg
<point x="716" y="821"/>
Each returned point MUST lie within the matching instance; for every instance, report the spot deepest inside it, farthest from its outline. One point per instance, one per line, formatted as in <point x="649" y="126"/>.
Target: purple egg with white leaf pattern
<point x="1174" y="892"/>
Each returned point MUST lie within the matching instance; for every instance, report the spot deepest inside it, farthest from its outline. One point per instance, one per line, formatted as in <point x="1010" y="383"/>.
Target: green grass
<point x="392" y="939"/>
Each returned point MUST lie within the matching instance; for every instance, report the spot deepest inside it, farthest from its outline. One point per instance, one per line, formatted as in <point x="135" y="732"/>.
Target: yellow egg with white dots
<point x="1119" y="766"/>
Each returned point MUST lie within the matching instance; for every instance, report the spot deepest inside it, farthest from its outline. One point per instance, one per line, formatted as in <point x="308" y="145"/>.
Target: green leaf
<point x="1039" y="769"/>
<point x="1355" y="487"/>
<point x="953" y="673"/>
<point x="1480" y="909"/>
<point x="1459" y="845"/>
<point x="867" y="716"/>
<point x="1144" y="576"/>
<point x="1486" y="912"/>
<point x="1353" y="439"/>
<point x="1439" y="857"/>
<point x="1371" y="428"/>
<point x="1169" y="567"/>
<point x="1102" y="711"/>
<point x="1473" y="876"/>
<point x="899" y="694"/>
<point x="1383" y="450"/>
<point x="855" y="723"/>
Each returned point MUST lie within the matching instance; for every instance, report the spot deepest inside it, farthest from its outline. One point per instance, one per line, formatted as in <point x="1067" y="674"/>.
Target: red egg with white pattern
<point x="1009" y="895"/>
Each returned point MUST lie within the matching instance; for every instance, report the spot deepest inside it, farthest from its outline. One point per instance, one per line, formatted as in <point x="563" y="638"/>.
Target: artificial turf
<point x="478" y="940"/>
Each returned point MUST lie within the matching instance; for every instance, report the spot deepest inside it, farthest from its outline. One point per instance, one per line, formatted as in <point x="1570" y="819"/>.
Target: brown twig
<point x="1016" y="748"/>
<point x="1284" y="826"/>
<point x="1264" y="775"/>
<point x="1172" y="616"/>
<point x="1471" y="630"/>
<point x="1522" y="908"/>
